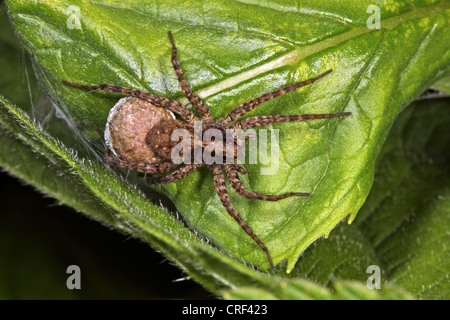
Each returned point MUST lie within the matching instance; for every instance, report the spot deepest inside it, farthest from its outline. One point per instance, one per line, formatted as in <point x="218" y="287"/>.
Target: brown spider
<point x="139" y="131"/>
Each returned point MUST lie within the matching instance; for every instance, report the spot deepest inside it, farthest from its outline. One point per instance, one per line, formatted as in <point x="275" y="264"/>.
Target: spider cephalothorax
<point x="140" y="133"/>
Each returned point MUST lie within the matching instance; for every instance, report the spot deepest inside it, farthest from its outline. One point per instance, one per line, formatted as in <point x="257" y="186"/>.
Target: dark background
<point x="40" y="239"/>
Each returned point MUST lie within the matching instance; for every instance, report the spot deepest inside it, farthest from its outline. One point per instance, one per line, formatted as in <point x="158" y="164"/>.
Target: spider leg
<point x="140" y="167"/>
<point x="100" y="133"/>
<point x="242" y="109"/>
<point x="219" y="183"/>
<point x="266" y="120"/>
<point x="191" y="96"/>
<point x="238" y="168"/>
<point x="163" y="102"/>
<point x="174" y="176"/>
<point x="239" y="187"/>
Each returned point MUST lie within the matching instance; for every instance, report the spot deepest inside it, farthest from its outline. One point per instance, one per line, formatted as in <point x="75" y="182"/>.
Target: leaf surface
<point x="231" y="53"/>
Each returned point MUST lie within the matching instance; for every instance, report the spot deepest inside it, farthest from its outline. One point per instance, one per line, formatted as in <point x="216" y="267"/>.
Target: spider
<point x="140" y="128"/>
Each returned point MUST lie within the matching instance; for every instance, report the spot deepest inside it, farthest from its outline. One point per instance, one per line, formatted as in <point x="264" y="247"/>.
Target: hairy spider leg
<point x="140" y="167"/>
<point x="174" y="176"/>
<point x="195" y="100"/>
<point x="242" y="109"/>
<point x="221" y="188"/>
<point x="100" y="133"/>
<point x="267" y="120"/>
<point x="163" y="102"/>
<point x="237" y="185"/>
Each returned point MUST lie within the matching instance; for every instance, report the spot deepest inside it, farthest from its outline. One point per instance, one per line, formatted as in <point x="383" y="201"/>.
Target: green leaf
<point x="407" y="217"/>
<point x="402" y="227"/>
<point x="44" y="162"/>
<point x="443" y="84"/>
<point x="229" y="58"/>
<point x="16" y="83"/>
<point x="300" y="289"/>
<point x="419" y="142"/>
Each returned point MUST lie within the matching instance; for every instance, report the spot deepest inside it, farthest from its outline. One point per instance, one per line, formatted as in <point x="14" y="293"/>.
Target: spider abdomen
<point x="127" y="126"/>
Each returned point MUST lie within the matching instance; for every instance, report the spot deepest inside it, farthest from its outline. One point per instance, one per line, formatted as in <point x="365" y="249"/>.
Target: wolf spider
<point x="154" y="131"/>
